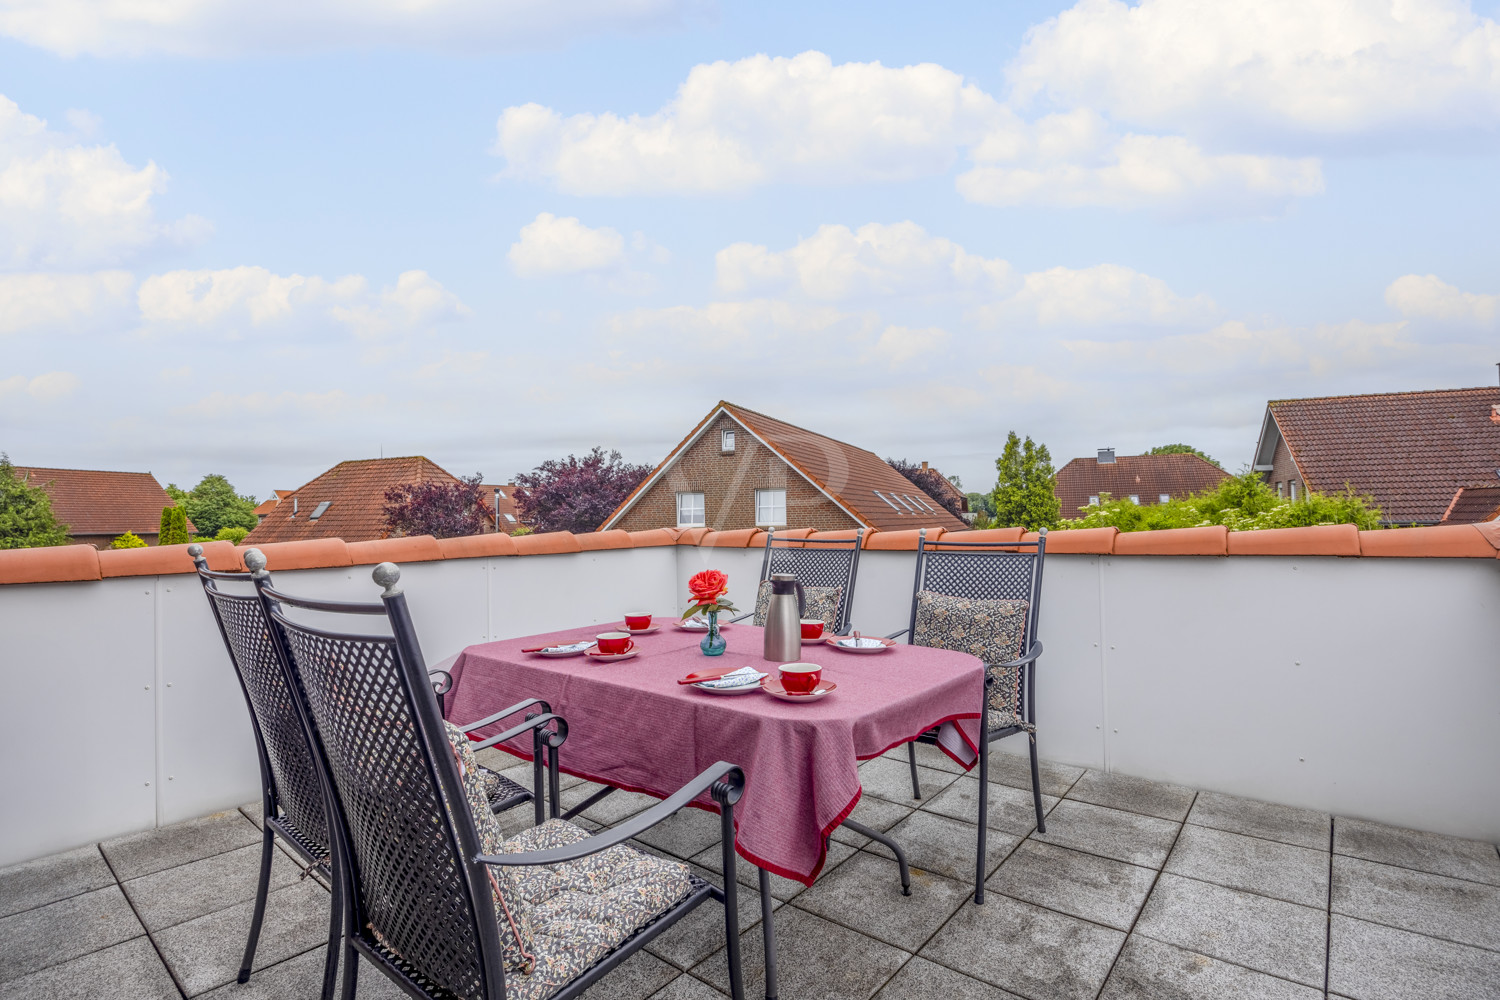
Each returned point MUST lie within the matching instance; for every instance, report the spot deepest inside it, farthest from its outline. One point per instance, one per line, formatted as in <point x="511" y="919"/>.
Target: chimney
<point x="1106" y="456"/>
<point x="294" y="507"/>
<point x="924" y="464"/>
<point x="497" y="510"/>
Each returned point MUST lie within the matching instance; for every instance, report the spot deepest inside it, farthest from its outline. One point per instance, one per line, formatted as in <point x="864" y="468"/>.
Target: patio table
<point x="633" y="727"/>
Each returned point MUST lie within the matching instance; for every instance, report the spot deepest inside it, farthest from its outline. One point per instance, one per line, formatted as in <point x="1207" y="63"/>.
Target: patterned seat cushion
<point x="990" y="629"/>
<point x="582" y="910"/>
<point x="822" y="602"/>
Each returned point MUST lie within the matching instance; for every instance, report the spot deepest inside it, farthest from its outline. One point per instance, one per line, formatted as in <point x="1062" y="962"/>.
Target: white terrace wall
<point x="1362" y="686"/>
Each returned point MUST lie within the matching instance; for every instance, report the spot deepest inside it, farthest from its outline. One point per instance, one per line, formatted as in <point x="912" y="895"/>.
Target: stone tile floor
<point x="1136" y="890"/>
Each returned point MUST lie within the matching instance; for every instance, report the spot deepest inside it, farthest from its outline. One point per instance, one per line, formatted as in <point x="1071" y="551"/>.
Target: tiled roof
<point x="1473" y="505"/>
<point x="355" y="494"/>
<point x="1409" y="450"/>
<point x="1146" y="476"/>
<point x="92" y="502"/>
<point x="267" y="506"/>
<point x="507" y="506"/>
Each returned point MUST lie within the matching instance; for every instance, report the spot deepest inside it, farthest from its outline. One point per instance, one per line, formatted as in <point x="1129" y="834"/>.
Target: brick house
<point x="348" y="502"/>
<point x="99" y="506"/>
<point x="742" y="469"/>
<point x="1145" y="479"/>
<point x="1411" y="451"/>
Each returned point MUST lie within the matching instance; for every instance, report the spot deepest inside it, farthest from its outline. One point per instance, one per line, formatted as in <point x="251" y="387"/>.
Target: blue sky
<point x="259" y="239"/>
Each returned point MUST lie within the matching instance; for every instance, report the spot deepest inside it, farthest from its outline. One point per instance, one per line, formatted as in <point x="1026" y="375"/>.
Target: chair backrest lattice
<point x="816" y="562"/>
<point x="414" y="893"/>
<point x="294" y="775"/>
<point x="983" y="571"/>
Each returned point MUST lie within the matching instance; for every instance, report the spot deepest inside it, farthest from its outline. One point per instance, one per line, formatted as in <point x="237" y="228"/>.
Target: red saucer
<point x="771" y="685"/>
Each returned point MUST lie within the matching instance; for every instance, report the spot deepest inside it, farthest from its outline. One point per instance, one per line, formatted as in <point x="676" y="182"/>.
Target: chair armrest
<point x="1031" y="654"/>
<point x="894" y="634"/>
<point x="535" y="722"/>
<point x="515" y="709"/>
<point x="726" y="780"/>
<point x="442" y="681"/>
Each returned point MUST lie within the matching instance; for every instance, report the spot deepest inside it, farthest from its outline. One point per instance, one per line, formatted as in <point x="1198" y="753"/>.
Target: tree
<point x="1183" y="449"/>
<point x="213" y="505"/>
<point x="436" y="508"/>
<point x="979" y="503"/>
<point x="930" y="482"/>
<point x="26" y="518"/>
<point x="574" y="494"/>
<point x="1240" y="503"/>
<point x="129" y="540"/>
<point x="1024" y="493"/>
<point x="235" y="535"/>
<point x="173" y="530"/>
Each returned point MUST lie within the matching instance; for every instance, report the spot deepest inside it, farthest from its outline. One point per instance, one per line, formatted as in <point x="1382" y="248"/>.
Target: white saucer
<point x="742" y="689"/>
<point x="837" y="642"/>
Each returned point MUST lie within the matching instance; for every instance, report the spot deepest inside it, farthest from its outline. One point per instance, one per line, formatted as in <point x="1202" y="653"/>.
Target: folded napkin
<point x="571" y="647"/>
<point x="741" y="677"/>
<point x="861" y="643"/>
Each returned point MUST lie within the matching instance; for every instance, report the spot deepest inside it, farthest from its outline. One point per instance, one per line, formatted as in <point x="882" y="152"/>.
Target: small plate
<point x="837" y="642"/>
<point x="772" y="686"/>
<point x="569" y="649"/>
<point x="745" y="688"/>
<point x="610" y="657"/>
<point x="819" y="638"/>
<point x="638" y="631"/>
<point x="688" y="626"/>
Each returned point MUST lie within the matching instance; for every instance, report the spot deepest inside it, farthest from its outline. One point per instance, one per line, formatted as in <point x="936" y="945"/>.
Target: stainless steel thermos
<point x="784" y="619"/>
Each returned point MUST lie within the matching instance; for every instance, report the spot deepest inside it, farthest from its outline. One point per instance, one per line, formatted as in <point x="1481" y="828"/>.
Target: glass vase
<point x="713" y="644"/>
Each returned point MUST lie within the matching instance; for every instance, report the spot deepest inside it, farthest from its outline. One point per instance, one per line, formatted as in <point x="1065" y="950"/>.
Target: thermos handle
<point x="801" y="601"/>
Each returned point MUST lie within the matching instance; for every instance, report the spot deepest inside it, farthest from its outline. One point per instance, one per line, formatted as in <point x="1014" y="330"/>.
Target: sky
<point x="260" y="238"/>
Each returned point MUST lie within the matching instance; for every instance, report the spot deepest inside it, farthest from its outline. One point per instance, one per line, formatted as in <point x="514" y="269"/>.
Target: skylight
<point x="321" y="508"/>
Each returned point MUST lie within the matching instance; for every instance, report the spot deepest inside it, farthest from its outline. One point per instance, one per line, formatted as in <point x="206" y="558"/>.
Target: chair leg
<point x="768" y="933"/>
<point x="1036" y="788"/>
<point x="335" y="933"/>
<point x="351" y="956"/>
<point x="731" y="903"/>
<point x="267" y="848"/>
<point x="911" y="757"/>
<point x="984" y="820"/>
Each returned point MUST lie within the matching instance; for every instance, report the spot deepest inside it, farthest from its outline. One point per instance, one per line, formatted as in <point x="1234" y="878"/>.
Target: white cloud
<point x="1426" y="296"/>
<point x="229" y="27"/>
<point x="551" y="245"/>
<point x="66" y="204"/>
<point x="1102" y="295"/>
<point x="43" y="300"/>
<point x="876" y="259"/>
<point x="738" y="332"/>
<point x="42" y="388"/>
<point x="1314" y="67"/>
<point x="900" y="346"/>
<point x="415" y="302"/>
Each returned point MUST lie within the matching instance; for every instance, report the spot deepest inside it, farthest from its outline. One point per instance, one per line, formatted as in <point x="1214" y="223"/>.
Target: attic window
<point x="888" y="502"/>
<point x="500" y="494"/>
<point x="511" y="518"/>
<point x="320" y="510"/>
<point x="726" y="441"/>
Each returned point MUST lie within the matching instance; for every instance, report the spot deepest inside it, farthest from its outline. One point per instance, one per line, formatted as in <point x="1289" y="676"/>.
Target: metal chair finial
<point x="387" y="575"/>
<point x="195" y="550"/>
<point x="255" y="561"/>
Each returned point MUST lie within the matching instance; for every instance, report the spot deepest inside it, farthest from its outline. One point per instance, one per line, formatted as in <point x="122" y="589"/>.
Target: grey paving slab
<point x="638" y="977"/>
<point x="1155" y="970"/>
<point x="301" y="977"/>
<point x="255" y="813"/>
<point x="938" y="844"/>
<point x="61" y="931"/>
<point x="1450" y="908"/>
<point x="1268" y="935"/>
<point x="686" y="834"/>
<point x="1474" y="860"/>
<point x="57" y="876"/>
<point x="815" y="959"/>
<point x="891" y="780"/>
<point x="864" y="893"/>
<point x="609" y="810"/>
<point x="928" y="755"/>
<point x="1026" y="949"/>
<point x="875" y="813"/>
<point x="687" y="988"/>
<point x="169" y="897"/>
<point x="1371" y="962"/>
<point x="781" y="888"/>
<point x="205" y="953"/>
<point x="1295" y="874"/>
<point x="701" y="933"/>
<point x="1132" y="794"/>
<point x="1082" y="885"/>
<point x="1110" y="833"/>
<point x="130" y="970"/>
<point x="920" y="979"/>
<point x="140" y="854"/>
<point x="1287" y="824"/>
<point x="1014" y="769"/>
<point x="1008" y="809"/>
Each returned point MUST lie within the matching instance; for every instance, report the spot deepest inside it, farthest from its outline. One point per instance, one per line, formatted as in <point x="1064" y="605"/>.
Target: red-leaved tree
<point x="576" y="494"/>
<point x="436" y="508"/>
<point x="931" y="482"/>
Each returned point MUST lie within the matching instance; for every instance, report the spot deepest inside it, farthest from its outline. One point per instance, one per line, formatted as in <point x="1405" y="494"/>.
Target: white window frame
<point x="509" y="517"/>
<point x="702" y="510"/>
<point x="1280" y="490"/>
<point x="1093" y="499"/>
<point x="770" y="521"/>
<point x="1294" y="489"/>
<point x="1163" y="497"/>
<point x="726" y="440"/>
<point x="1135" y="498"/>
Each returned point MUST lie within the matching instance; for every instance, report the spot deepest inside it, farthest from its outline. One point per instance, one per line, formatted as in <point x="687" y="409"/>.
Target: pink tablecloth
<point x="632" y="726"/>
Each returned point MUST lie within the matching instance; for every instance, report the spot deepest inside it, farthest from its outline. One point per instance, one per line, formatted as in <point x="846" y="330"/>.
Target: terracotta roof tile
<point x="1473" y="504"/>
<point x="1409" y="450"/>
<point x="93" y="502"/>
<point x="355" y="494"/>
<point x="1145" y="476"/>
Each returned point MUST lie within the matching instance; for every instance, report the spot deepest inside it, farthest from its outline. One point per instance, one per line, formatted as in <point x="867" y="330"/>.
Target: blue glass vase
<point x="713" y="644"/>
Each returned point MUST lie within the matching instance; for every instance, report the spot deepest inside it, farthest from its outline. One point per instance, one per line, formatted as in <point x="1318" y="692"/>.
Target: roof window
<point x="320" y="510"/>
<point x="510" y="517"/>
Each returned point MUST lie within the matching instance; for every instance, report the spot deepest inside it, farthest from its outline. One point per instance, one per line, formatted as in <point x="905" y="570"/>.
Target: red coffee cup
<point x="637" y="620"/>
<point x="800" y="678"/>
<point x="614" y="643"/>
<point x="812" y="628"/>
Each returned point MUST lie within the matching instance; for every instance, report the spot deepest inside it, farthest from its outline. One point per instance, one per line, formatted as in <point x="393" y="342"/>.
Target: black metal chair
<point x="815" y="562"/>
<point x="1009" y="573"/>
<point x="291" y="793"/>
<point x="422" y="894"/>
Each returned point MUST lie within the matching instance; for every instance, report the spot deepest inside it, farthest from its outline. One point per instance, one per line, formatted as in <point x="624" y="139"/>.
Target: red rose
<point x="708" y="585"/>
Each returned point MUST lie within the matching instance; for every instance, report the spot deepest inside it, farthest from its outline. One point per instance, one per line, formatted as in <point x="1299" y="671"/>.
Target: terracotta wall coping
<point x="65" y="563"/>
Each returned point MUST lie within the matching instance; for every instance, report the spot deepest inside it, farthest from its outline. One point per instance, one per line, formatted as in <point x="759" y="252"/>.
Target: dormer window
<point x="726" y="441"/>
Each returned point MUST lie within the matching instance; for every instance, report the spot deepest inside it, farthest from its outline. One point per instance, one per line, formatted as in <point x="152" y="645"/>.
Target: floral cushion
<point x="990" y="629"/>
<point x="822" y="602"/>
<point x="582" y="910"/>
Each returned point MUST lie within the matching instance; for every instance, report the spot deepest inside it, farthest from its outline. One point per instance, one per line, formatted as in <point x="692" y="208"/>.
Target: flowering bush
<point x="708" y="590"/>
